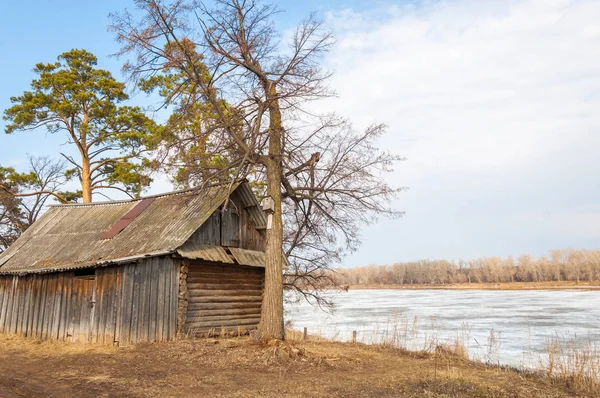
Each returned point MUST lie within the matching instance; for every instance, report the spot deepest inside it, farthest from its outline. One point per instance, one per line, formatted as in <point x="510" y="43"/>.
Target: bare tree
<point x="323" y="177"/>
<point x="560" y="265"/>
<point x="23" y="196"/>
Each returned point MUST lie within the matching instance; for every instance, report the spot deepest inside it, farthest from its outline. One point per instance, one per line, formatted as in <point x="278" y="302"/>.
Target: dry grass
<point x="566" y="360"/>
<point x="243" y="367"/>
<point x="574" y="362"/>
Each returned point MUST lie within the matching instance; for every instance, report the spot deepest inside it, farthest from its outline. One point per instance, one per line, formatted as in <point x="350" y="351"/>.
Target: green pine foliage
<point x="75" y="98"/>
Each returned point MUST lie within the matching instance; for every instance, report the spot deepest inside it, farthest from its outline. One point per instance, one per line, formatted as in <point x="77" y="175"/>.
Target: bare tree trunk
<point x="271" y="323"/>
<point x="86" y="180"/>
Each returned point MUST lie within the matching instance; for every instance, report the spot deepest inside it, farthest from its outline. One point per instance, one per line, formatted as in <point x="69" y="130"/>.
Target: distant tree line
<point x="558" y="265"/>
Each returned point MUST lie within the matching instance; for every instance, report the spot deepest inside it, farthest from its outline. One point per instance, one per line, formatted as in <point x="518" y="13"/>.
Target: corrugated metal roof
<point x="70" y="236"/>
<point x="248" y="257"/>
<point x="89" y="264"/>
<point x="198" y="251"/>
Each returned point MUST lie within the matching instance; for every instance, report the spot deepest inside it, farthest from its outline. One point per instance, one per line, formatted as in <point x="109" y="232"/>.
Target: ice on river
<point x="522" y="321"/>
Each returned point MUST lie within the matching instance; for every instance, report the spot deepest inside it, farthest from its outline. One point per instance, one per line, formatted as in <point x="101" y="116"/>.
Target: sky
<point x="495" y="106"/>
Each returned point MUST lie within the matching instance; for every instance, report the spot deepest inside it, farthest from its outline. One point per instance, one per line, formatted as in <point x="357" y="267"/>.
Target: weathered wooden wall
<point x="223" y="297"/>
<point x="117" y="305"/>
<point x="233" y="228"/>
<point x="250" y="237"/>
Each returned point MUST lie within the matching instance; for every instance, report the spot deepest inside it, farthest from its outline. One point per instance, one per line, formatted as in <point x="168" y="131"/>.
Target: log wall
<point x="223" y="297"/>
<point x="115" y="305"/>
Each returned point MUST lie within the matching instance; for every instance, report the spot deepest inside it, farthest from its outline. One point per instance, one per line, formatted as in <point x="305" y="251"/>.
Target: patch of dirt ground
<point x="243" y="367"/>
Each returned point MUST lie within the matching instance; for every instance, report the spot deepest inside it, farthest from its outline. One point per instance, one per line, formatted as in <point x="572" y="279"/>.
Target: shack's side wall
<point x="217" y="227"/>
<point x="222" y="296"/>
<point x="119" y="305"/>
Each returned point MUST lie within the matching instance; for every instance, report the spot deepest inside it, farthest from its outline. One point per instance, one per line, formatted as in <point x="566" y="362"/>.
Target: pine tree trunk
<point x="271" y="323"/>
<point x="86" y="181"/>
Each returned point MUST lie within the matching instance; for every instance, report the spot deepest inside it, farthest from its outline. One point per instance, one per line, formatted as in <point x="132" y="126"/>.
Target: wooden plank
<point x="41" y="304"/>
<point x="168" y="275"/>
<point x="106" y="309"/>
<point x="97" y="302"/>
<point x="109" y="306"/>
<point x="44" y="307"/>
<point x="172" y="299"/>
<point x="7" y="285"/>
<point x="109" y="295"/>
<point x="3" y="289"/>
<point x="150" y="297"/>
<point x="74" y="310"/>
<point x="225" y="293"/>
<point x="5" y="292"/>
<point x="175" y="275"/>
<point x="11" y="300"/>
<point x="86" y="325"/>
<point x="71" y="311"/>
<point x="13" y="308"/>
<point x="43" y="300"/>
<point x="160" y="300"/>
<point x="225" y="278"/>
<point x="145" y="302"/>
<point x="52" y="299"/>
<point x="211" y="265"/>
<point x="76" y="302"/>
<point x="230" y="228"/>
<point x="221" y="299"/>
<point x="157" y="279"/>
<point x="126" y="304"/>
<point x="100" y="313"/>
<point x="64" y="306"/>
<point x="223" y="312"/>
<point x="221" y="270"/>
<point x="22" y="291"/>
<point x="2" y="295"/>
<point x="33" y="306"/>
<point x="42" y="320"/>
<point x="137" y="301"/>
<point x="62" y="317"/>
<point x="18" y="305"/>
<point x="49" y="305"/>
<point x="53" y="334"/>
<point x="224" y="320"/>
<point x="223" y="286"/>
<point x="23" y="302"/>
<point x="82" y="324"/>
<point x="37" y="303"/>
<point x="55" y="300"/>
<point x="224" y="306"/>
<point x="117" y="307"/>
<point x="231" y="322"/>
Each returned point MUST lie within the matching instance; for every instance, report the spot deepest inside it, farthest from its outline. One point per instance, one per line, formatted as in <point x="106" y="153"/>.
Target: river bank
<point x="242" y="367"/>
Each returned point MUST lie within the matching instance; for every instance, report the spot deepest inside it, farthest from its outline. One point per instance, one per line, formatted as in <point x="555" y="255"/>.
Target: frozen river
<point x="522" y="321"/>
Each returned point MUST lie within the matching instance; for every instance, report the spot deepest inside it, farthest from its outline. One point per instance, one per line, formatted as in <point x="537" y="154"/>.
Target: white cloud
<point x="485" y="96"/>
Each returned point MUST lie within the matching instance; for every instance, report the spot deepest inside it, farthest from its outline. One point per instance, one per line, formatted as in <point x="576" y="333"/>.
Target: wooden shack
<point x="151" y="269"/>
